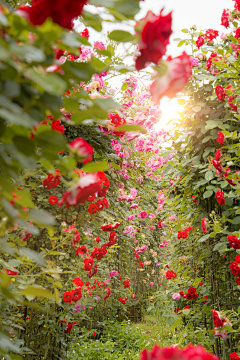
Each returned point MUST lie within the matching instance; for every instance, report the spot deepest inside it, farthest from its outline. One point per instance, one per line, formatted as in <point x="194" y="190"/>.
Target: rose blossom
<point x="176" y="296"/>
<point x="194" y="61"/>
<point x="155" y="34"/>
<point x="142" y="215"/>
<point x="113" y="273"/>
<point x="83" y="150"/>
<point x="59" y="10"/>
<point x="179" y="70"/>
<point x="140" y="250"/>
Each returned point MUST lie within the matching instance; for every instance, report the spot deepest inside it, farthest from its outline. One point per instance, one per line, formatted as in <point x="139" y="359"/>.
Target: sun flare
<point x="170" y="109"/>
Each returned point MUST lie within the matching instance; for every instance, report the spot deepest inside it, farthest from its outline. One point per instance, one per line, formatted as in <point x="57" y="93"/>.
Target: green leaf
<point x="70" y="104"/>
<point x="83" y="71"/>
<point x="207" y="194"/>
<point x="33" y="255"/>
<point x="212" y="235"/>
<point x="42" y="217"/>
<point x="209" y="175"/>
<point x="50" y="141"/>
<point x="92" y="167"/>
<point x="107" y="104"/>
<point x="49" y="82"/>
<point x="186" y="311"/>
<point x="29" y="53"/>
<point x="207" y="310"/>
<point x="181" y="43"/>
<point x="171" y="320"/>
<point x="181" y="101"/>
<point x="196" y="108"/>
<point x="131" y="128"/>
<point x="17" y="118"/>
<point x="37" y="291"/>
<point x="98" y="65"/>
<point x="120" y="36"/>
<point x="220" y="246"/>
<point x="24" y="145"/>
<point x="204" y="238"/>
<point x="236" y="220"/>
<point x="115" y="166"/>
<point x="211" y="124"/>
<point x="185" y="31"/>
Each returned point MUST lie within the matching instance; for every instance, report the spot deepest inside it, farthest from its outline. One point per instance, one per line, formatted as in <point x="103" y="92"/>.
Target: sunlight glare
<point x="170" y="109"/>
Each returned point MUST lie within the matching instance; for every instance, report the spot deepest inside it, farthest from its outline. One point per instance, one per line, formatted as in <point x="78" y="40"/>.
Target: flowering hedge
<point x="100" y="209"/>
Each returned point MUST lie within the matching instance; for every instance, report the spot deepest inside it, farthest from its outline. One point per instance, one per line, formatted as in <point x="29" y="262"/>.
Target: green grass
<point x="158" y="331"/>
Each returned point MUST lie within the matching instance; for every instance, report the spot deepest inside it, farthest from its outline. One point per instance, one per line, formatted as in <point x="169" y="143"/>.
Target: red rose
<point x="204" y="297"/>
<point x="204" y="225"/>
<point x="234" y="356"/>
<point x="187" y="307"/>
<point x="181" y="293"/>
<point x="235" y="269"/>
<point x="194" y="296"/>
<point x="102" y="192"/>
<point x="234" y="242"/>
<point x="155" y="34"/>
<point x="69" y="327"/>
<point x="192" y="290"/>
<point x="56" y="126"/>
<point x="67" y="296"/>
<point x="88" y="263"/>
<point x="112" y="239"/>
<point x="216" y="319"/>
<point x="200" y="41"/>
<point x="116" y="225"/>
<point x="168" y="275"/>
<point x="220" y="92"/>
<point x="11" y="272"/>
<point x="91" y="198"/>
<point x="78" y="193"/>
<point x="164" y="353"/>
<point x="93" y="271"/>
<point x="220" y="197"/>
<point x="101" y="174"/>
<point x="52" y="180"/>
<point x="116" y="120"/>
<point x="221" y="138"/>
<point x="78" y="282"/>
<point x="189" y="296"/>
<point x="108" y="293"/>
<point x="107" y="227"/>
<point x="77" y="294"/>
<point x="99" y="253"/>
<point x="97" y="239"/>
<point x="179" y="70"/>
<point x="121" y="301"/>
<point x="211" y="34"/>
<point x="225" y="18"/>
<point x="52" y="200"/>
<point x="82" y="149"/>
<point x="237" y="7"/>
<point x="126" y="283"/>
<point x="81" y="250"/>
<point x="92" y="209"/>
<point x="59" y="10"/>
<point x="85" y="33"/>
<point x="231" y="104"/>
<point x="100" y="205"/>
